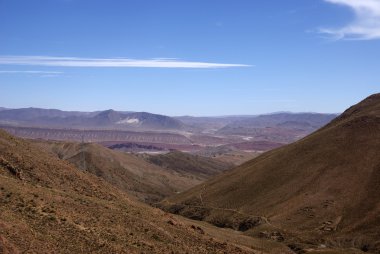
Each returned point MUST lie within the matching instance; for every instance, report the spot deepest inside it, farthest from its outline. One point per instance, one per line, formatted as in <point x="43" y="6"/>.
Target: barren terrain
<point x="321" y="190"/>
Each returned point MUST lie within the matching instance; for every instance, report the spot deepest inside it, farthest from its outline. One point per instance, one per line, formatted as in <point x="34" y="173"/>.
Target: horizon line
<point x="186" y="115"/>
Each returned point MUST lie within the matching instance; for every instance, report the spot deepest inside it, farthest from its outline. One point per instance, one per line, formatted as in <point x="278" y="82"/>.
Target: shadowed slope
<point x="323" y="187"/>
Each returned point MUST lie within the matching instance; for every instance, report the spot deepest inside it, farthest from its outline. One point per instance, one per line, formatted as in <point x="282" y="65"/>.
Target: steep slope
<point x="48" y="206"/>
<point x="322" y="189"/>
<point x="138" y="177"/>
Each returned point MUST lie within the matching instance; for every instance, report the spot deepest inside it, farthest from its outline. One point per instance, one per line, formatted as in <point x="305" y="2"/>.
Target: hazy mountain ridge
<point x="146" y="132"/>
<point x="38" y="117"/>
<point x="25" y="114"/>
<point x="278" y="127"/>
<point x="209" y="124"/>
<point x="108" y="119"/>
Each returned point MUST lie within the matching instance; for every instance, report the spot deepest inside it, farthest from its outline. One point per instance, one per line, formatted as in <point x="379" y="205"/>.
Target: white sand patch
<point x="128" y="121"/>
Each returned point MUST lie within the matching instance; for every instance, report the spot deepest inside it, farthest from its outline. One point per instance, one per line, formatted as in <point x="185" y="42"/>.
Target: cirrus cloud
<point x="366" y="24"/>
<point x="31" y="72"/>
<point x="111" y="62"/>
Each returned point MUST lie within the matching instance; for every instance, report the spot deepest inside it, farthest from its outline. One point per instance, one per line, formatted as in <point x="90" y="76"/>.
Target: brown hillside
<point x="323" y="189"/>
<point x="49" y="206"/>
<point x="146" y="181"/>
<point x="199" y="167"/>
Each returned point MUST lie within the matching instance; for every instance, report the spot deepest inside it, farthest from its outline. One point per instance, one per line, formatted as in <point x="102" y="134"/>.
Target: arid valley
<point x="279" y="192"/>
<point x="189" y="127"/>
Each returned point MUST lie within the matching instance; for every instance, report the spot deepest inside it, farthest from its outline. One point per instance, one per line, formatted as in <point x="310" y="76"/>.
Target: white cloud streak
<point x="366" y="24"/>
<point x="110" y="62"/>
<point x="31" y="72"/>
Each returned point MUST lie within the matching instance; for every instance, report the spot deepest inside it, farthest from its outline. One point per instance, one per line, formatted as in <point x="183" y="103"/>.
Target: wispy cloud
<point x="110" y="62"/>
<point x="31" y="72"/>
<point x="366" y="24"/>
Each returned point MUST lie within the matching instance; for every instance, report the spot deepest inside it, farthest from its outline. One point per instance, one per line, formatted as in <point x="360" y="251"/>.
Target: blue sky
<point x="189" y="57"/>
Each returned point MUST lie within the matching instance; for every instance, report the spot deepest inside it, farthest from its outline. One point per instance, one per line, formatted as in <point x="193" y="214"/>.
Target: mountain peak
<point x="367" y="108"/>
<point x="370" y="105"/>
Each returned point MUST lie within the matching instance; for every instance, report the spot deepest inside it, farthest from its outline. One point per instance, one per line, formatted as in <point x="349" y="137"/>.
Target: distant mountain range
<point x="136" y="130"/>
<point x="209" y="124"/>
<point x="109" y="119"/>
<point x="292" y="120"/>
<point x="128" y="120"/>
<point x="290" y="126"/>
